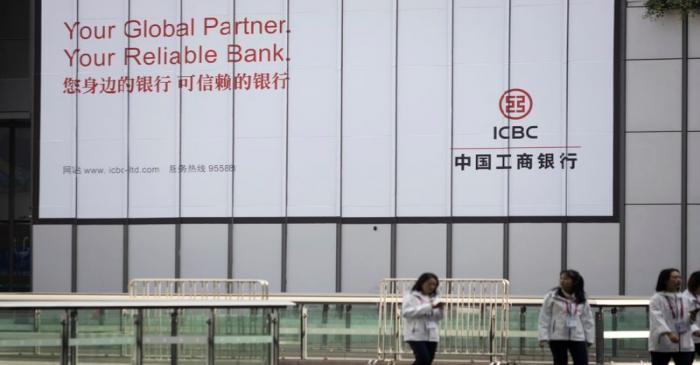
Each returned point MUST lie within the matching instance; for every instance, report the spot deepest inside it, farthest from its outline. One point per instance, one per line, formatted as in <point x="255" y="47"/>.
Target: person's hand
<point x="673" y="337"/>
<point x="694" y="314"/>
<point x="439" y="305"/>
<point x="543" y="343"/>
<point x="696" y="333"/>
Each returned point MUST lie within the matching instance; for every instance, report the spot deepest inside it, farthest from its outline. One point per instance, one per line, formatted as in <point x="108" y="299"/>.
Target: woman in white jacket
<point x="566" y="321"/>
<point x="671" y="324"/>
<point x="421" y="311"/>
<point x="692" y="295"/>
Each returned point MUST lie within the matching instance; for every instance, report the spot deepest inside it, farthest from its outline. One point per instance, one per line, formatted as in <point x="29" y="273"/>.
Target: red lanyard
<point x="569" y="305"/>
<point x="673" y="309"/>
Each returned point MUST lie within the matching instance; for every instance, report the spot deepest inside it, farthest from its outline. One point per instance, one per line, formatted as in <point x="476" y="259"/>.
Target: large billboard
<point x="326" y="108"/>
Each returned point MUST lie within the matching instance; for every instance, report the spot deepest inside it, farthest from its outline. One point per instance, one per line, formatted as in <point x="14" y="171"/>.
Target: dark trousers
<point x="679" y="358"/>
<point x="697" y="349"/>
<point x="424" y="351"/>
<point x="578" y="350"/>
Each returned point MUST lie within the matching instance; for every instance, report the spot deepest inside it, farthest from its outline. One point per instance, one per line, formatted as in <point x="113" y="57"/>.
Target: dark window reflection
<point x="5" y="258"/>
<point x="21" y="258"/>
<point x="15" y="206"/>
<point x="4" y="172"/>
<point x="23" y="174"/>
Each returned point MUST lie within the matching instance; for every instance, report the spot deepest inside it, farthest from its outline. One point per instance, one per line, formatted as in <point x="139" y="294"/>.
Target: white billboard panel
<point x="308" y="108"/>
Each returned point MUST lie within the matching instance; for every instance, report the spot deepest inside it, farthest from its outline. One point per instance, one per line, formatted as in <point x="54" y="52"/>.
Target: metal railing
<point x="68" y="338"/>
<point x="209" y="289"/>
<point x="617" y="339"/>
<point x="194" y="289"/>
<point x="475" y="322"/>
<point x="318" y="326"/>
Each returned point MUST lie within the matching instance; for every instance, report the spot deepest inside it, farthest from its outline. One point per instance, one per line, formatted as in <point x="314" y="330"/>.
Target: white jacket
<point x="663" y="307"/>
<point x="420" y="319"/>
<point x="553" y="320"/>
<point x="694" y="301"/>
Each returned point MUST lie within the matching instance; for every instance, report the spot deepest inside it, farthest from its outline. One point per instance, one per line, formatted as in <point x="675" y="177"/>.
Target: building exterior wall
<point x="659" y="220"/>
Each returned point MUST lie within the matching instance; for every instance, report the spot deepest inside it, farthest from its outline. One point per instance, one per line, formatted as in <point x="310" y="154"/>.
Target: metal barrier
<point x="69" y="339"/>
<point x="194" y="289"/>
<point x="208" y="289"/>
<point x="475" y="322"/>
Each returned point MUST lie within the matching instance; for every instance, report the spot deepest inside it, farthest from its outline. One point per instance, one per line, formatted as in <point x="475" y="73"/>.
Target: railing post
<point x="382" y="322"/>
<point x="275" y="332"/>
<point x="211" y="326"/>
<point x="73" y="334"/>
<point x="65" y="333"/>
<point x="397" y="335"/>
<point x="122" y="332"/>
<point x="599" y="338"/>
<point x="173" y="333"/>
<point x="523" y="327"/>
<point x="324" y="322"/>
<point x="492" y="335"/>
<point x="37" y="318"/>
<point x="348" y="325"/>
<point x="304" y="315"/>
<point x="138" y="353"/>
<point x="613" y="312"/>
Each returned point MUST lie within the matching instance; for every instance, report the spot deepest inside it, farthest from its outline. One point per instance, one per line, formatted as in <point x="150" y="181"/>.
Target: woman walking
<point x="422" y="310"/>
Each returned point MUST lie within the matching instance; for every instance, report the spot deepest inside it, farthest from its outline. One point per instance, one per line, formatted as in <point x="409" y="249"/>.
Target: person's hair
<point x="694" y="282"/>
<point x="418" y="286"/>
<point x="664" y="276"/>
<point x="577" y="285"/>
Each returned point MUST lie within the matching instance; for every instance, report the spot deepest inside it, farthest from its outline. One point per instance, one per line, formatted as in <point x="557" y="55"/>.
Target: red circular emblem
<point x="515" y="104"/>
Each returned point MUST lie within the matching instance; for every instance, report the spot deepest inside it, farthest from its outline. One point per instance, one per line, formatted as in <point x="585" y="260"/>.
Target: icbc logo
<point x="515" y="104"/>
